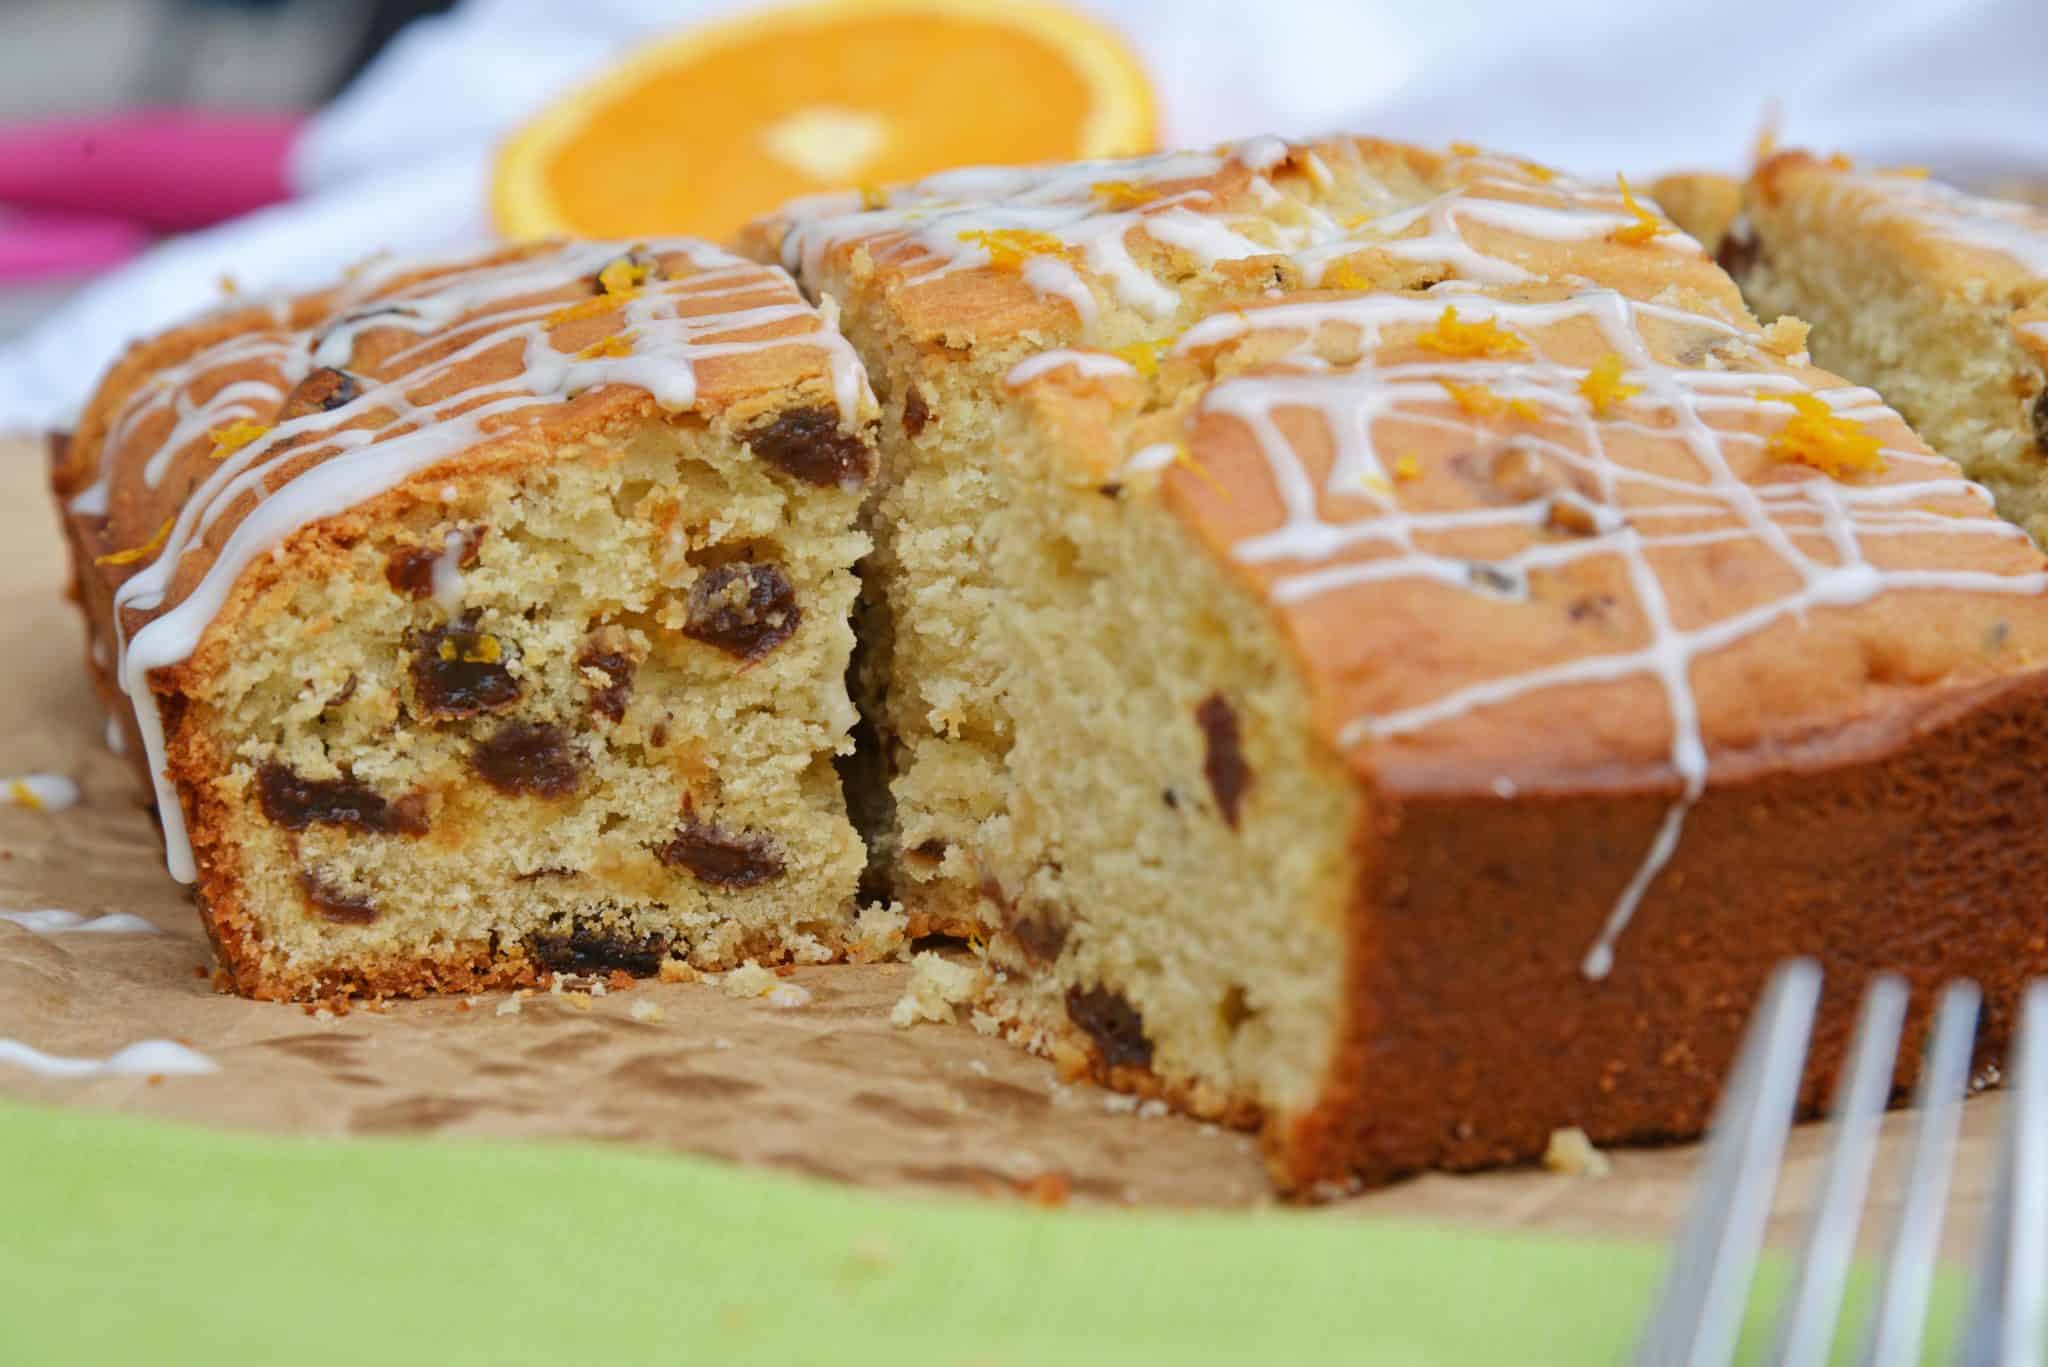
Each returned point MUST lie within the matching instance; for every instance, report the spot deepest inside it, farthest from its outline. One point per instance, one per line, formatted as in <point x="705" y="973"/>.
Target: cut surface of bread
<point x="1937" y="299"/>
<point x="1381" y="644"/>
<point x="488" y="619"/>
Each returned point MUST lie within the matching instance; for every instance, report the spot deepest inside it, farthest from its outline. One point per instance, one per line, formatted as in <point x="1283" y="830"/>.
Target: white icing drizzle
<point x="146" y="1058"/>
<point x="1157" y="456"/>
<point x="1091" y="364"/>
<point x="933" y="227"/>
<point x="447" y="573"/>
<point x="2014" y="230"/>
<point x="39" y="792"/>
<point x="509" y="303"/>
<point x="55" y="921"/>
<point x="1816" y="525"/>
<point x="117" y="740"/>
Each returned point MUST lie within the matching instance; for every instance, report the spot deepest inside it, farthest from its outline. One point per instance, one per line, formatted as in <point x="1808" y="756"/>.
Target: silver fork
<point x="1701" y="1308"/>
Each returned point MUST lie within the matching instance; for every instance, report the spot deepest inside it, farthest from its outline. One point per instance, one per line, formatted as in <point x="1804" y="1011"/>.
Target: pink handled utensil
<point x="166" y="169"/>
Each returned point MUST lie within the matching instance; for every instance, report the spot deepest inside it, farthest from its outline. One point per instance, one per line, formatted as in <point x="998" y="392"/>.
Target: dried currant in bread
<point x="2040" y="413"/>
<point x="295" y="803"/>
<point x="528" y="759"/>
<point x="1108" y="1018"/>
<point x="342" y="906"/>
<point x="588" y="948"/>
<point x="807" y="444"/>
<point x="606" y="654"/>
<point x="725" y="859"/>
<point x="324" y="390"/>
<point x="459" y="669"/>
<point x="1223" y="762"/>
<point x="410" y="569"/>
<point x="745" y="609"/>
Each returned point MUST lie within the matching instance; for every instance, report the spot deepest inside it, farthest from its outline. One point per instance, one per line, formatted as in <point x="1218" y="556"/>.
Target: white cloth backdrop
<point x="400" y="161"/>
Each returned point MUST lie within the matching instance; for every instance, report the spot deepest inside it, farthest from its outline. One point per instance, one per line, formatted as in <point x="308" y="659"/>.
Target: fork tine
<point x="1806" y="1325"/>
<point x="1898" y="1316"/>
<point x="2005" y="1323"/>
<point x="1699" y="1310"/>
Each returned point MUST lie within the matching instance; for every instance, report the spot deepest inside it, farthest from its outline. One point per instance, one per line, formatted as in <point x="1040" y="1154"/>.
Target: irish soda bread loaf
<point x="1382" y="643"/>
<point x="487" y="618"/>
<point x="1936" y="298"/>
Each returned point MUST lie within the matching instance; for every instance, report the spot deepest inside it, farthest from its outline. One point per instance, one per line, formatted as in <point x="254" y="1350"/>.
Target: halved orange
<point x="706" y="130"/>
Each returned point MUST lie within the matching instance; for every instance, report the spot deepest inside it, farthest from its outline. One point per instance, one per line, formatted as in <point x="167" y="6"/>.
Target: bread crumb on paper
<point x="937" y="985"/>
<point x="1570" y="1152"/>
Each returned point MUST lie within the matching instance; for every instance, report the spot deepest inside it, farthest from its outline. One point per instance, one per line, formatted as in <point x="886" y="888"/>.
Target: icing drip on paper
<point x="39" y="792"/>
<point x="147" y="1058"/>
<point x="55" y="921"/>
<point x="468" y="313"/>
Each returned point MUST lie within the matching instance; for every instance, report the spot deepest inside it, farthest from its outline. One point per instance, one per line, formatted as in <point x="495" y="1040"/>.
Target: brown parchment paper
<point x="829" y="1090"/>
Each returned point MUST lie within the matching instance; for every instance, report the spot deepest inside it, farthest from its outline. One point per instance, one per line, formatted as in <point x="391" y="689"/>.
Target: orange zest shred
<point x="1407" y="468"/>
<point x="1009" y="248"/>
<point x="1536" y="171"/>
<point x="142" y="552"/>
<point x="23" y="796"/>
<point x="1907" y="172"/>
<point x="1450" y="337"/>
<point x="1143" y="357"/>
<point x="1603" y="387"/>
<point x="1342" y="275"/>
<point x="618" y="344"/>
<point x="873" y="197"/>
<point x="1123" y="194"/>
<point x="1839" y="161"/>
<point x="1186" y="461"/>
<point x="1818" y="436"/>
<point x="483" y="650"/>
<point x="1464" y="149"/>
<point x="623" y="276"/>
<point x="590" y="308"/>
<point x="1482" y="402"/>
<point x="234" y="436"/>
<point x="1646" y="226"/>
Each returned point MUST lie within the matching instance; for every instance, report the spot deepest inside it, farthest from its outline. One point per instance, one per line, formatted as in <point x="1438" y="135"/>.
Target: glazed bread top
<point x="1994" y="250"/>
<point x="1537" y="503"/>
<point x="220" y="441"/>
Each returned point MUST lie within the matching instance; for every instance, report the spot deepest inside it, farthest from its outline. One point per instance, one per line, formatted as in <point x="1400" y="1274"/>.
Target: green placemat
<point x="123" y="1240"/>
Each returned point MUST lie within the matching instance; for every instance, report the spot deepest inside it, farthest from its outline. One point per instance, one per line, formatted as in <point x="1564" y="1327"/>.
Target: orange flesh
<point x="676" y="171"/>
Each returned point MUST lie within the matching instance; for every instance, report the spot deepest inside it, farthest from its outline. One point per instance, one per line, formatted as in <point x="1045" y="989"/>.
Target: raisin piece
<point x="530" y="759"/>
<point x="342" y="906"/>
<point x="1223" y="755"/>
<point x="915" y="412"/>
<point x="609" y="700"/>
<point x="550" y="871"/>
<point x="323" y="391"/>
<point x="2041" y="422"/>
<point x="1594" y="607"/>
<point x="932" y="851"/>
<point x="410" y="569"/>
<point x="459" y="670"/>
<point x="1739" y="250"/>
<point x="587" y="950"/>
<point x="1113" y="1023"/>
<point x="722" y="858"/>
<point x="296" y="803"/>
<point x="744" y="609"/>
<point x="1110" y="490"/>
<point x="1042" y="934"/>
<point x="806" y="443"/>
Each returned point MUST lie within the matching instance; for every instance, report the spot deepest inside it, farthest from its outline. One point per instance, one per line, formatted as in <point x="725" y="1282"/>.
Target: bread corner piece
<point x="1380" y="644"/>
<point x="1936" y="298"/>
<point x="490" y="619"/>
